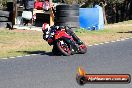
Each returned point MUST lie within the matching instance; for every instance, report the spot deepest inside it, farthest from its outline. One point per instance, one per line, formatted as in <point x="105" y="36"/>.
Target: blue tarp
<point x="91" y="18"/>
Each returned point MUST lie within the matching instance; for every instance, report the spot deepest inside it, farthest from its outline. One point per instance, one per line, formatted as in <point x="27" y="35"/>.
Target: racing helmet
<point x="45" y="27"/>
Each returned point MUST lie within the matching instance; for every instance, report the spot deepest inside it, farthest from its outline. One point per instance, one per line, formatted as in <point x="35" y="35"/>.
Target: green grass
<point x="111" y="32"/>
<point x="98" y="32"/>
<point x="22" y="42"/>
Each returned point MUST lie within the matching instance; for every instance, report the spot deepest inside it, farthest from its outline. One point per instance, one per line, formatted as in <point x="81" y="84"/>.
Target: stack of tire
<point x="5" y="19"/>
<point x="67" y="15"/>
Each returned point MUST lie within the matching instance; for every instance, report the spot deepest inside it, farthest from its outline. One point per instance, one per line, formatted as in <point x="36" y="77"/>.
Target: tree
<point x="113" y="10"/>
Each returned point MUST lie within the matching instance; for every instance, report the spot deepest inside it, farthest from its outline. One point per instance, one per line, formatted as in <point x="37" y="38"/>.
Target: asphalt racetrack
<point x="47" y="71"/>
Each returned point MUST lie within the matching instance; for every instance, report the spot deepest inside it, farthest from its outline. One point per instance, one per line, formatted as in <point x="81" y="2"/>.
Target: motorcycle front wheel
<point x="83" y="49"/>
<point x="64" y="47"/>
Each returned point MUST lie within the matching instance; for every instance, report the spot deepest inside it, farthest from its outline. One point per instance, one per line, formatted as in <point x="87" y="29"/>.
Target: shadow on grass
<point x="125" y="32"/>
<point x="37" y="52"/>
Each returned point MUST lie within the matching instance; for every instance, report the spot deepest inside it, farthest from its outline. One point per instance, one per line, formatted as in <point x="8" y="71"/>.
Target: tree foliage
<point x="114" y="10"/>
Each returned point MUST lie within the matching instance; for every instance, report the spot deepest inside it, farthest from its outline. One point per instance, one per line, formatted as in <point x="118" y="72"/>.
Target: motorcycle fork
<point x="73" y="44"/>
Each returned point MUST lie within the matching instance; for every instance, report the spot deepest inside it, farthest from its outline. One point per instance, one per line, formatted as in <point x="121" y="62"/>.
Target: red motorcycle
<point x="63" y="43"/>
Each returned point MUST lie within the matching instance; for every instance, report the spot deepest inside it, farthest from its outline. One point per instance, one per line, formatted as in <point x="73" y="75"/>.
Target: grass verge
<point x="22" y="42"/>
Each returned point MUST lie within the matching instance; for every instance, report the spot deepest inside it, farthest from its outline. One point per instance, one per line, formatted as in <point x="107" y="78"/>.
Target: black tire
<point x="83" y="49"/>
<point x="6" y="25"/>
<point x="3" y="19"/>
<point x="68" y="19"/>
<point x="67" y="7"/>
<point x="70" y="24"/>
<point x="4" y="13"/>
<point x="65" y="53"/>
<point x="67" y="13"/>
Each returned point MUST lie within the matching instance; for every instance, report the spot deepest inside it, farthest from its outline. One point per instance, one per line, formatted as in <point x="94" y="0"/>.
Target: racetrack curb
<point x="107" y="42"/>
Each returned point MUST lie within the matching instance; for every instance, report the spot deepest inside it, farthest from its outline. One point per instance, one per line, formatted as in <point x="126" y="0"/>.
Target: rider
<point x="52" y="29"/>
<point x="49" y="32"/>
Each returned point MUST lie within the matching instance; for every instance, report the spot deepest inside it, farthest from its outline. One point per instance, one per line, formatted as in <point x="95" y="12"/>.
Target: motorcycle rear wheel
<point x="64" y="47"/>
<point x="55" y="50"/>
